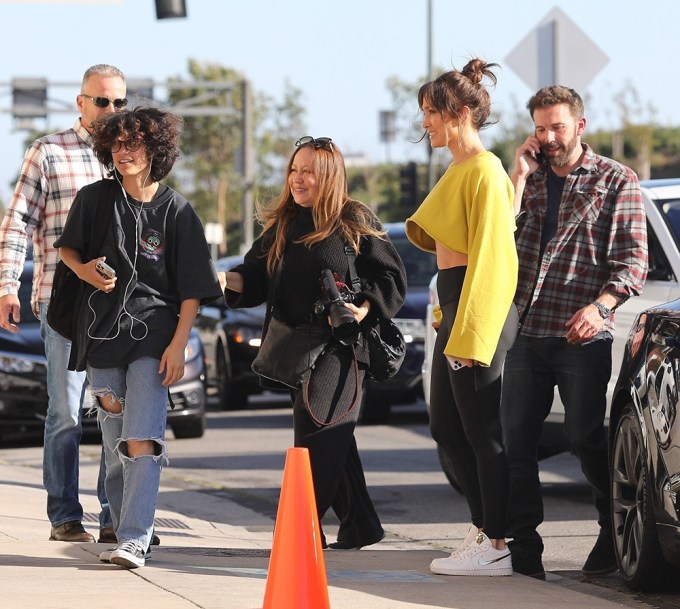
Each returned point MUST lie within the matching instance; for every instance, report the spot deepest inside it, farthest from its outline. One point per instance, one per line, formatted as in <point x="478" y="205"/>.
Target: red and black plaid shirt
<point x="55" y="167"/>
<point x="600" y="244"/>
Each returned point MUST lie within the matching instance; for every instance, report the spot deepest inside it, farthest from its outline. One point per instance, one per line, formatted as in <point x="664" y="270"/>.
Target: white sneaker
<point x="129" y="555"/>
<point x="105" y="556"/>
<point x="479" y="558"/>
<point x="471" y="535"/>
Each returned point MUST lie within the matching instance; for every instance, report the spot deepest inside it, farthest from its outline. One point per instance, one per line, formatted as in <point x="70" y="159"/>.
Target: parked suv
<point x="407" y="385"/>
<point x="662" y="205"/>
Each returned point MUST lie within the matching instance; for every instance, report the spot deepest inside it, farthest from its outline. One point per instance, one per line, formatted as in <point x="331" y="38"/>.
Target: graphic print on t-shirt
<point x="151" y="244"/>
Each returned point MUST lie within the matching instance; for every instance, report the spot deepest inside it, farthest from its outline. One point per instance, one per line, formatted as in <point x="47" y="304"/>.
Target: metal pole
<point x="430" y="157"/>
<point x="248" y="152"/>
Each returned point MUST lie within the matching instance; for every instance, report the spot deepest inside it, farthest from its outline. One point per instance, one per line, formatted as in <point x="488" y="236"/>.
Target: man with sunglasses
<point x="55" y="167"/>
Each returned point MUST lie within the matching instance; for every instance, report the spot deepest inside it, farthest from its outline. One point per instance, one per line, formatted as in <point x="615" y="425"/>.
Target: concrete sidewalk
<point x="213" y="565"/>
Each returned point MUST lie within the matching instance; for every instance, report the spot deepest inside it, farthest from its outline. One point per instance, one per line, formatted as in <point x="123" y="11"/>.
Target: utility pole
<point x="431" y="178"/>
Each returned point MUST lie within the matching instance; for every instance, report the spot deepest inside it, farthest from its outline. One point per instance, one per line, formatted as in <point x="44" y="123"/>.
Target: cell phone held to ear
<point x="104" y="269"/>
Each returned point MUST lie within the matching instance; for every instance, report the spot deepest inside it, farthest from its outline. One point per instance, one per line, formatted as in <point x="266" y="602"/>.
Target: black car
<point x="23" y="378"/>
<point x="645" y="451"/>
<point x="232" y="338"/>
<point x="407" y="385"/>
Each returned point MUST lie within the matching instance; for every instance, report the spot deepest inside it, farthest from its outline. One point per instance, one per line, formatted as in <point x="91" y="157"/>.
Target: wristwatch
<point x="605" y="312"/>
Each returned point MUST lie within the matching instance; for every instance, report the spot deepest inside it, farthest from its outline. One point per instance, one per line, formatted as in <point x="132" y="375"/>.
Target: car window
<point x="671" y="209"/>
<point x="659" y="267"/>
<point x="420" y="265"/>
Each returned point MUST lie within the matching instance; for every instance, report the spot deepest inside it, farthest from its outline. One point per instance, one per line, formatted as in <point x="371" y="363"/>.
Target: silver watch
<point x="605" y="312"/>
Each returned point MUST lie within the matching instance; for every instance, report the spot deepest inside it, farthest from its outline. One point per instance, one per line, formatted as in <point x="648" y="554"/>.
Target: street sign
<point x="555" y="52"/>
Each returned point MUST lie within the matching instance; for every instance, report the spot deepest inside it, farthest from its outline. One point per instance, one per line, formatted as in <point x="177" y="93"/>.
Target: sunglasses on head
<point x="317" y="142"/>
<point x="103" y="102"/>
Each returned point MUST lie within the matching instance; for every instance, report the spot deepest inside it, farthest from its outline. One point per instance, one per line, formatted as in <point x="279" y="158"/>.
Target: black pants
<point x="465" y="415"/>
<point x="533" y="368"/>
<point x="333" y="399"/>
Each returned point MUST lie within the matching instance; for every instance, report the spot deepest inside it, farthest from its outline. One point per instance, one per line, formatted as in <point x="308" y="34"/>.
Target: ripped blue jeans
<point x="132" y="483"/>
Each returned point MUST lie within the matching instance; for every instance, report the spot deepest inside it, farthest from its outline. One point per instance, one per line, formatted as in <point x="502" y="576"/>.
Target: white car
<point x="662" y="206"/>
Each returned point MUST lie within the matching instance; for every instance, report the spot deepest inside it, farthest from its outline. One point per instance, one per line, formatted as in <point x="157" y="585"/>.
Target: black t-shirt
<point x="160" y="255"/>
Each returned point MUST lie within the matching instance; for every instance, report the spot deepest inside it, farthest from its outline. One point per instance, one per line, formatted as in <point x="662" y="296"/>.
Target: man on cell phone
<point x="582" y="246"/>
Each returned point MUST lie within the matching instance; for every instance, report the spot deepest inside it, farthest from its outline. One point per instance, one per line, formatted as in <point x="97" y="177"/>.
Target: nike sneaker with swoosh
<point x="479" y="558"/>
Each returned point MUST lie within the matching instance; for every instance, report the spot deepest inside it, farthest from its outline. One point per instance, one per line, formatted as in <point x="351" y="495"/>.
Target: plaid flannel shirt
<point x="55" y="167"/>
<point x="600" y="244"/>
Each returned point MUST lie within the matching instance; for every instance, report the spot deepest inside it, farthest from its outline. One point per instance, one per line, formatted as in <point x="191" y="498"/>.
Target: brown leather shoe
<point x="70" y="531"/>
<point x="107" y="535"/>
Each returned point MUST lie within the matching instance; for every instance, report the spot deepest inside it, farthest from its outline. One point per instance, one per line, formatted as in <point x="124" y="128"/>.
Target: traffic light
<point x="408" y="186"/>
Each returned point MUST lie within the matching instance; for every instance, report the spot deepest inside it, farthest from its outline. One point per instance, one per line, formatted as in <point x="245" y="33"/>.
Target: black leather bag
<point x="288" y="354"/>
<point x="386" y="349"/>
<point x="386" y="345"/>
<point x="67" y="289"/>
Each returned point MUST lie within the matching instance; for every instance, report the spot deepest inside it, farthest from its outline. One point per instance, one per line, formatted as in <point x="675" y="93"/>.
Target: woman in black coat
<point x="306" y="230"/>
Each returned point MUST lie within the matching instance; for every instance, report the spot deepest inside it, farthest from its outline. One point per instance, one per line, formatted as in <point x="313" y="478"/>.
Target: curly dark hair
<point x="157" y="129"/>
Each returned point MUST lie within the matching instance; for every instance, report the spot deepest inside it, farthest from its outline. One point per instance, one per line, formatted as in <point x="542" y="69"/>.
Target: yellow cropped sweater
<point x="470" y="211"/>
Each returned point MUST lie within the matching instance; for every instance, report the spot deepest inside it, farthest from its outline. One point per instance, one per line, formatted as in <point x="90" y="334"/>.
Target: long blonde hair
<point x="332" y="211"/>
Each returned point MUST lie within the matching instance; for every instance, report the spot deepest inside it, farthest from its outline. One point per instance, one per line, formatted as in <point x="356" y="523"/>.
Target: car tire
<point x="191" y="427"/>
<point x="232" y="394"/>
<point x="447" y="468"/>
<point x="636" y="541"/>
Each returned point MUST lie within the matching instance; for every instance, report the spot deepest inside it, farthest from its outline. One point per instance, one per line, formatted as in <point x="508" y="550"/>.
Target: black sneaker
<point x="602" y="558"/>
<point x="129" y="555"/>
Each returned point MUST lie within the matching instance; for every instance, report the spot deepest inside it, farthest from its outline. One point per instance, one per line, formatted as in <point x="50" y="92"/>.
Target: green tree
<point x="211" y="166"/>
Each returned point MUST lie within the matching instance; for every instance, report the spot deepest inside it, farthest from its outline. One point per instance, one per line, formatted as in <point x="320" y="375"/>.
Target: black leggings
<point x="465" y="414"/>
<point x="335" y="392"/>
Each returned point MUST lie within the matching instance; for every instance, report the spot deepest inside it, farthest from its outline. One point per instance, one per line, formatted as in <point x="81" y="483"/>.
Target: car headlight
<point x="412" y="329"/>
<point x="252" y="337"/>
<point x="20" y="365"/>
<point x="193" y="348"/>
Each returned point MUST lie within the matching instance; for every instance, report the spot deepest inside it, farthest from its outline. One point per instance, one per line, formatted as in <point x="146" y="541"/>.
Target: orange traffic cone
<point x="297" y="573"/>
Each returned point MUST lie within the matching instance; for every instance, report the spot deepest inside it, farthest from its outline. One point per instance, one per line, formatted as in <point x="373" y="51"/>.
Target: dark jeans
<point x="464" y="414"/>
<point x="533" y="367"/>
<point x="334" y="398"/>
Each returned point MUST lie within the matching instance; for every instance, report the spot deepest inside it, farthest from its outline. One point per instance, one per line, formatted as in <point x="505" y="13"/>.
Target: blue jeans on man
<point x="533" y="367"/>
<point x="63" y="430"/>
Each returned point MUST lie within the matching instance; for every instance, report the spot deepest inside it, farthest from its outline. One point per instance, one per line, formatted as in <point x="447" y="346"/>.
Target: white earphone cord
<point x="133" y="319"/>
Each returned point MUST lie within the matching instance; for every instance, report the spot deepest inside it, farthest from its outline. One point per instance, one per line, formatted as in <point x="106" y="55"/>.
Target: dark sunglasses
<point x="130" y="145"/>
<point x="317" y="142"/>
<point x="103" y="102"/>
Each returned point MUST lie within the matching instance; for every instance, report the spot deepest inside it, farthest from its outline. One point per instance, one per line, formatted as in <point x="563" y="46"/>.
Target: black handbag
<point x="288" y="353"/>
<point x="386" y="345"/>
<point x="67" y="289"/>
<point x="386" y="349"/>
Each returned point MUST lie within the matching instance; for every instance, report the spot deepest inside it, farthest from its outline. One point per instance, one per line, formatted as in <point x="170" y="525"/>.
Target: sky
<point x="339" y="53"/>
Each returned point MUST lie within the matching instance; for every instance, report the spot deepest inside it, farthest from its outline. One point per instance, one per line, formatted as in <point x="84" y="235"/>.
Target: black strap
<point x="354" y="278"/>
<point x="102" y="218"/>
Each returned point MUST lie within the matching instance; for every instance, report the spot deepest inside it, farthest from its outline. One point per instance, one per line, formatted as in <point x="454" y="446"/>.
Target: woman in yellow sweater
<point x="467" y="221"/>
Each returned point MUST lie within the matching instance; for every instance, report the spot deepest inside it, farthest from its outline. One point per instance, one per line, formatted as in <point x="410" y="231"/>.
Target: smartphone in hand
<point x="104" y="269"/>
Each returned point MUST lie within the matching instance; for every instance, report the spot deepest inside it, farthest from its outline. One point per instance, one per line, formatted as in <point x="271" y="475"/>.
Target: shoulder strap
<point x="354" y="278"/>
<point x="102" y="218"/>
